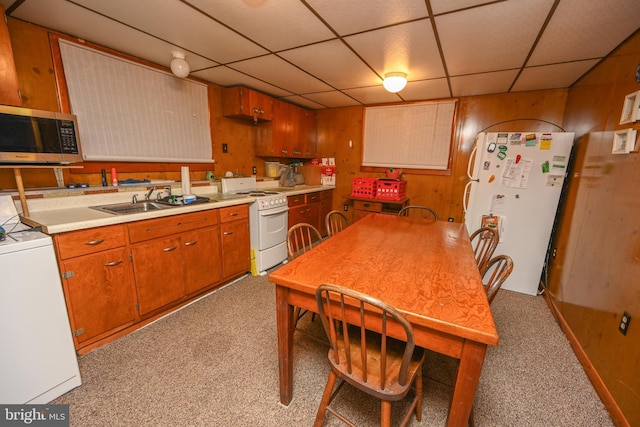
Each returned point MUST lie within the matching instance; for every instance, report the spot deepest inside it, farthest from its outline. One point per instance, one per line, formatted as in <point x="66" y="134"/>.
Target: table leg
<point x="284" y="319"/>
<point x="466" y="383"/>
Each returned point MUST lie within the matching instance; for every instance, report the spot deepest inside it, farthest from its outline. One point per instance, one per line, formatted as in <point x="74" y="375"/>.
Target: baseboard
<point x="610" y="404"/>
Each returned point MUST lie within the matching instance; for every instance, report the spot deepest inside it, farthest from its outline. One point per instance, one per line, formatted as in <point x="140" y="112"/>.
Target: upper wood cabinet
<point x="9" y="88"/>
<point x="291" y="133"/>
<point x="243" y="103"/>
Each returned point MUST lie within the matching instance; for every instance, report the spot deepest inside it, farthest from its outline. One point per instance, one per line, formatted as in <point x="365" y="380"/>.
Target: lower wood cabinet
<point x="157" y="265"/>
<point x="310" y="208"/>
<point x="116" y="278"/>
<point x="98" y="282"/>
<point x="235" y="240"/>
<point x="201" y="256"/>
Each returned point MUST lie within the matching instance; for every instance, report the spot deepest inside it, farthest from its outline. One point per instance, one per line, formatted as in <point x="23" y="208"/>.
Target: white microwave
<point x="36" y="136"/>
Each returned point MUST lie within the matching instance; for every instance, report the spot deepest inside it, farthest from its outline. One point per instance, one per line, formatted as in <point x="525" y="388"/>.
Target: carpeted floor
<point x="214" y="363"/>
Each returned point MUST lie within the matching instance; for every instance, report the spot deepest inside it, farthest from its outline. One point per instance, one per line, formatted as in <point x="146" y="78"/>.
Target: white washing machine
<point x="38" y="362"/>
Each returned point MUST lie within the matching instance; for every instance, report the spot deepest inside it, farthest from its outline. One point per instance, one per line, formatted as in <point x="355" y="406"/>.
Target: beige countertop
<point x="70" y="213"/>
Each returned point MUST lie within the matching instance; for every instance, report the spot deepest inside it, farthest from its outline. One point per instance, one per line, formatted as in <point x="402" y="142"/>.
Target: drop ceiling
<point x="334" y="53"/>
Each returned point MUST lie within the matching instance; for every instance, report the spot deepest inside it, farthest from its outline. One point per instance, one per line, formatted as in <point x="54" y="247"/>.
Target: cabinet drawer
<point x="313" y="197"/>
<point x="326" y="194"/>
<point x="367" y="206"/>
<point x="296" y="200"/>
<point x="233" y="213"/>
<point x="152" y="228"/>
<point x="83" y="242"/>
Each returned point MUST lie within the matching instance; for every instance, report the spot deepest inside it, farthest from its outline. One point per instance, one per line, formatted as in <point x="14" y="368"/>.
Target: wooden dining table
<point x="426" y="270"/>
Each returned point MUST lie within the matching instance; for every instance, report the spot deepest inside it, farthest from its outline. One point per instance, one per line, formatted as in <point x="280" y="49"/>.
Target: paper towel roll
<point x="186" y="181"/>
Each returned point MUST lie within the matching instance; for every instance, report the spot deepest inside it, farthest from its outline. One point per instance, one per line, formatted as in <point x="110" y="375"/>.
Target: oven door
<point x="272" y="227"/>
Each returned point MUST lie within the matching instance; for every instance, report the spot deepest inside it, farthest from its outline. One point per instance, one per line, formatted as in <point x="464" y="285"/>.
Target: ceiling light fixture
<point x="179" y="67"/>
<point x="394" y="82"/>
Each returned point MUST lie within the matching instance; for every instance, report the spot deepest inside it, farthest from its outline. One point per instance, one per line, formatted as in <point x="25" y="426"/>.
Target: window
<point x="130" y="112"/>
<point x="409" y="136"/>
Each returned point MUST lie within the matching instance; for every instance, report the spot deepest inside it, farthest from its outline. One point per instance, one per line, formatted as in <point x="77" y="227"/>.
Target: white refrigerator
<point x="516" y="179"/>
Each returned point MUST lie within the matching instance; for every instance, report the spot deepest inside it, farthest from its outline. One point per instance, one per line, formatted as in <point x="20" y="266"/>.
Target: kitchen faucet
<point x="148" y="195"/>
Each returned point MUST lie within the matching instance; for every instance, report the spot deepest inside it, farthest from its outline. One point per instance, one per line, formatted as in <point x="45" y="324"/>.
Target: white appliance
<point x="38" y="361"/>
<point x="516" y="182"/>
<point x="268" y="222"/>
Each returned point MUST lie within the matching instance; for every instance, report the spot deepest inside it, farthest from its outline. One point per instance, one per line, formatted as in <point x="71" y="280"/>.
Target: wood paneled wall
<point x="596" y="273"/>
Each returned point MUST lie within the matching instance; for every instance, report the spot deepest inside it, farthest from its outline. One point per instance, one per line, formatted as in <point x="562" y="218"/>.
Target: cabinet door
<point x="235" y="248"/>
<point x="326" y="204"/>
<point x="308" y="134"/>
<point x="100" y="293"/>
<point x="309" y="213"/>
<point x="245" y="103"/>
<point x="201" y="258"/>
<point x="157" y="267"/>
<point x="9" y="88"/>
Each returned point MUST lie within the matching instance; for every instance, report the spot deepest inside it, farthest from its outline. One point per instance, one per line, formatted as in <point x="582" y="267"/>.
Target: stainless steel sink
<point x="131" y="208"/>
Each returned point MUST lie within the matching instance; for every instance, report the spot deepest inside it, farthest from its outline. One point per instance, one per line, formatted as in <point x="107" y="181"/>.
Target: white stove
<point x="268" y="222"/>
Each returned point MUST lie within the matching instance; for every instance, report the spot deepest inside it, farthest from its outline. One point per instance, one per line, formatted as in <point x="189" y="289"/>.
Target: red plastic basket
<point x="363" y="187"/>
<point x="390" y="189"/>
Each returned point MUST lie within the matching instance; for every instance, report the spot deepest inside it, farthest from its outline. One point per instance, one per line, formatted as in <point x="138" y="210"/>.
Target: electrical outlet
<point x="623" y="327"/>
<point x="554" y="253"/>
<point x="225" y="148"/>
<point x="254" y="170"/>
<point x="345" y="207"/>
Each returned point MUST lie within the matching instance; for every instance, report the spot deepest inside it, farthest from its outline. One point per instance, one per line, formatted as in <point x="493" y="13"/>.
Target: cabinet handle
<point x="193" y="242"/>
<point x="172" y="248"/>
<point x="94" y="242"/>
<point x="113" y="264"/>
<point x="285" y="151"/>
<point x="234" y="214"/>
<point x="226" y="233"/>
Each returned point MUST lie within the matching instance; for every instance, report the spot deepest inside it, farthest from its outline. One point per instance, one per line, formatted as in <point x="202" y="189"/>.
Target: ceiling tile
<point x="352" y="16"/>
<point x="332" y="99"/>
<point x="334" y="63"/>
<point x="426" y="89"/>
<point x="193" y="31"/>
<point x="483" y="84"/>
<point x="492" y="37"/>
<point x="264" y="21"/>
<point x="444" y="6"/>
<point x="280" y="73"/>
<point x="302" y="101"/>
<point x="225" y="76"/>
<point x="373" y="95"/>
<point x="552" y="76"/>
<point x="410" y="48"/>
<point x="586" y="29"/>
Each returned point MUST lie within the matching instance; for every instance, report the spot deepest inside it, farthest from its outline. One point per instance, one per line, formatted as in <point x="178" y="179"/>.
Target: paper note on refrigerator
<point x="516" y="175"/>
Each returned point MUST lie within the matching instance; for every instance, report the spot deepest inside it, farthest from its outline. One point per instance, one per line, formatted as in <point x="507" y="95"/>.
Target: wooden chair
<point x="372" y="362"/>
<point x="421" y="212"/>
<point x="484" y="242"/>
<point x="494" y="273"/>
<point x="335" y="222"/>
<point x="301" y="238"/>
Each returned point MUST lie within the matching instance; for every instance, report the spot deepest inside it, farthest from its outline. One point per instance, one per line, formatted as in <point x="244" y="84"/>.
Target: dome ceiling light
<point x="179" y="67"/>
<point x="394" y="82"/>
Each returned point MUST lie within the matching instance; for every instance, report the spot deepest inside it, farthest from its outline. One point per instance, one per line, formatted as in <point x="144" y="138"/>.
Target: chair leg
<point x="326" y="398"/>
<point x="419" y="395"/>
<point x="385" y="417"/>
